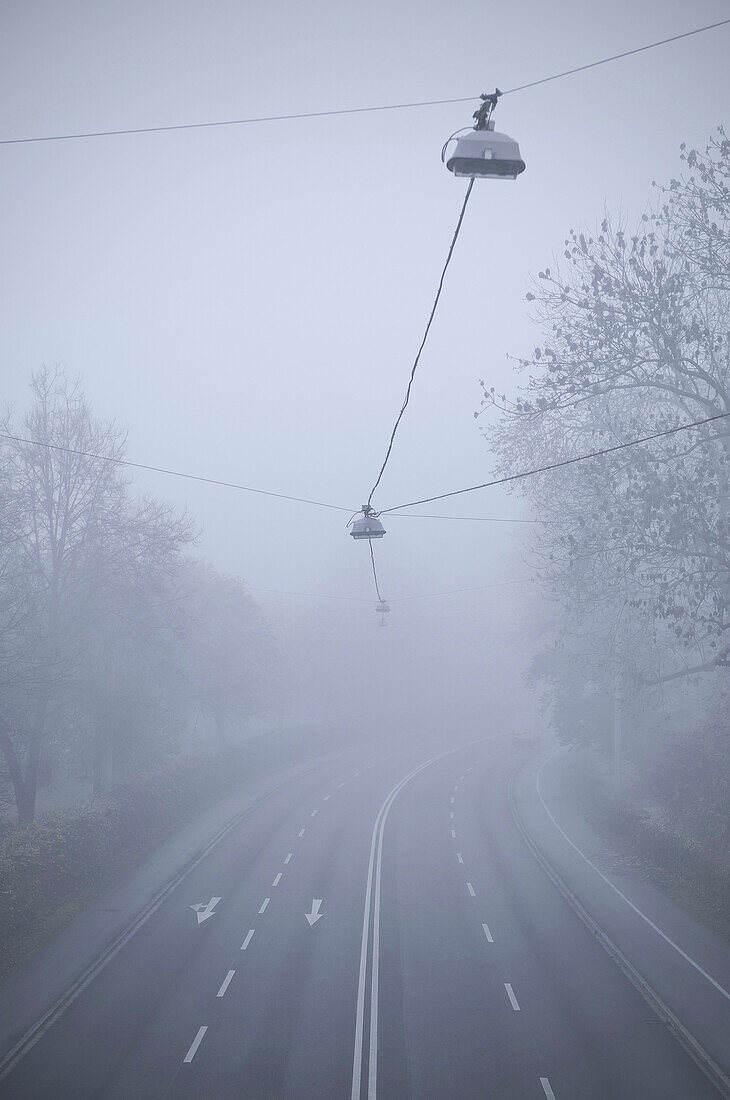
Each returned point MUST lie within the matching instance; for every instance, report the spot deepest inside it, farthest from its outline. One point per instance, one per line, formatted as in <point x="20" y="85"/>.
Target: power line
<point x="352" y="110"/>
<point x="557" y="465"/>
<point x="457" y="591"/>
<point x="465" y="519"/>
<point x="406" y="399"/>
<point x="171" y="473"/>
<point x="375" y="572"/>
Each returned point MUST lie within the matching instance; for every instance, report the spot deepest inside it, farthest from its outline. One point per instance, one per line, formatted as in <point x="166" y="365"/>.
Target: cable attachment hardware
<point x="483" y="113"/>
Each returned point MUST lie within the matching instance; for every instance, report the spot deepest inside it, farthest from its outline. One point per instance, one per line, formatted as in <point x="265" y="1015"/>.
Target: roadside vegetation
<point x="633" y="548"/>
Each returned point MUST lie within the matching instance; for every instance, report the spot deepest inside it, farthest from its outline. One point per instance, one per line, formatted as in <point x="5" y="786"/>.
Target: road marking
<point x="277" y="880"/>
<point x="623" y="897"/>
<point x="264" y="903"/>
<point x="313" y="813"/>
<point x="471" y="890"/>
<point x="546" y="1088"/>
<point x="249" y="937"/>
<point x="288" y="858"/>
<point x="453" y="834"/>
<point x="487" y="933"/>
<point x="456" y="786"/>
<point x="340" y="786"/>
<point x="314" y="914"/>
<point x="451" y="815"/>
<point x="512" y="998"/>
<point x="461" y="777"/>
<point x="355" y="775"/>
<point x="226" y="983"/>
<point x="195" y="1044"/>
<point x="478" y="761"/>
<point x="301" y="832"/>
<point x="326" y="797"/>
<point x="203" y="910"/>
<point x="373" y="877"/>
<point x="460" y="857"/>
<point x="453" y="800"/>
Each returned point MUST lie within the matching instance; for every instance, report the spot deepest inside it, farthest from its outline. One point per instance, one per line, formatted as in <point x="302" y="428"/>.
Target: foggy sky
<point x="248" y="300"/>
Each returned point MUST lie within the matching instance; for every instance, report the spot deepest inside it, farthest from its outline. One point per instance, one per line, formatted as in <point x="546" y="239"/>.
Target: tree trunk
<point x="25" y="787"/>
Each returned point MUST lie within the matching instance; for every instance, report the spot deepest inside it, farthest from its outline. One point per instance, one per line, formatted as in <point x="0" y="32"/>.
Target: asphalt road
<point x="380" y="929"/>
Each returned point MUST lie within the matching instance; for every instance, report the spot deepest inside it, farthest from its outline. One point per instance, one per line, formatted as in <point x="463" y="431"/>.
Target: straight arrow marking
<point x="315" y="914"/>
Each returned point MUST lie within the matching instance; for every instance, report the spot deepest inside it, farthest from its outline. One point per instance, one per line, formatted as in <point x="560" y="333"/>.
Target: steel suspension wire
<point x="375" y="572"/>
<point x="171" y="473"/>
<point x="563" y="462"/>
<point x="353" y="110"/>
<point x="414" y="368"/>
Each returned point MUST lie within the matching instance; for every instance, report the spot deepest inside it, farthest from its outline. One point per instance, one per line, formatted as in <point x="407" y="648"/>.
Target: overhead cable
<point x="352" y="110"/>
<point x="171" y="473"/>
<point x="563" y="462"/>
<point x="375" y="572"/>
<point x="407" y="397"/>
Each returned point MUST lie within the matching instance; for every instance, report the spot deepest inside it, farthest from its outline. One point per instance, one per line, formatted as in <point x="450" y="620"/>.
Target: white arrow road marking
<point x="203" y="911"/>
<point x="195" y="1044"/>
<point x="226" y="983"/>
<point x="315" y="914"/>
<point x="512" y="998"/>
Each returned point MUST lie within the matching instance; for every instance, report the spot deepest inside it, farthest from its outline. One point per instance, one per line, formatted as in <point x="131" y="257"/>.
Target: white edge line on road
<point x="264" y="903"/>
<point x="195" y="1044"/>
<point x="226" y="983"/>
<point x="511" y="995"/>
<point x="249" y="937"/>
<point x="623" y="897"/>
<point x="460" y="857"/>
<point x="546" y="1088"/>
<point x="288" y="858"/>
<point x="471" y="890"/>
<point x="277" y="880"/>
<point x="487" y="933"/>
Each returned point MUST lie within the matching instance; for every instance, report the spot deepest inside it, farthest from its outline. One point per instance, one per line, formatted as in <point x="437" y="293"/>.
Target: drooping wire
<point x="563" y="462"/>
<point x="354" y="110"/>
<point x="406" y="399"/>
<point x="375" y="572"/>
<point x="171" y="473"/>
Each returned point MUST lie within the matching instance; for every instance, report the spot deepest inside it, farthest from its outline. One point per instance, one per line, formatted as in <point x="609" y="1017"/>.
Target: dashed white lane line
<point x="451" y="815"/>
<point x="226" y="983"/>
<point x="546" y="1088"/>
<point x="288" y="858"/>
<point x="340" y="786"/>
<point x="249" y="937"/>
<point x="460" y="857"/>
<point x="301" y="832"/>
<point x="264" y="903"/>
<point x="195" y="1044"/>
<point x="512" y="998"/>
<point x="487" y="933"/>
<point x="471" y="889"/>
<point x="313" y="813"/>
<point x="326" y="797"/>
<point x="453" y="800"/>
<point x="461" y="777"/>
<point x="453" y="834"/>
<point x="277" y="880"/>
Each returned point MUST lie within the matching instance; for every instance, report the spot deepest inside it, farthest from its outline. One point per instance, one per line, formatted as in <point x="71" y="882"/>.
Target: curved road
<point x="377" y="929"/>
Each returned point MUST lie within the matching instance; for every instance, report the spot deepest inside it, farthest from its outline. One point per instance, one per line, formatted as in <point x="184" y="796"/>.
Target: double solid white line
<point x="371" y="917"/>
